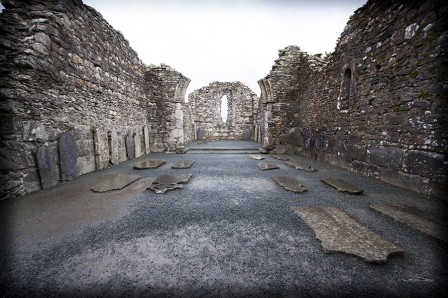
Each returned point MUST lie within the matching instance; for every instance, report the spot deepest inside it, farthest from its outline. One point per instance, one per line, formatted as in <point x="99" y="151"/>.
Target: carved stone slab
<point x="130" y="148"/>
<point x="267" y="166"/>
<point x="200" y="134"/>
<point x="114" y="182"/>
<point x="299" y="166"/>
<point x="338" y="232"/>
<point x="47" y="162"/>
<point x="169" y="182"/>
<point x="415" y="219"/>
<point x="343" y="186"/>
<point x="68" y="156"/>
<point x="279" y="157"/>
<point x="148" y="164"/>
<point x="183" y="164"/>
<point x="257" y="157"/>
<point x="290" y="183"/>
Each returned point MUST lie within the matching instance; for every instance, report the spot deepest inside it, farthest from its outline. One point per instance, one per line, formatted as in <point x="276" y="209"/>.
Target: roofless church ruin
<point x="75" y="98"/>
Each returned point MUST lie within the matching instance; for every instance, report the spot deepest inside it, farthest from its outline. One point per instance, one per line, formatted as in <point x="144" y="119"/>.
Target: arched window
<point x="224" y="108"/>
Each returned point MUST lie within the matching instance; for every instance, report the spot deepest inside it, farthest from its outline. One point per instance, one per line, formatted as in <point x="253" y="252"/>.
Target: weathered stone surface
<point x="290" y="183"/>
<point x="279" y="157"/>
<point x="68" y="156"/>
<point x="389" y="157"/>
<point x="375" y="101"/>
<point x="114" y="182"/>
<point x="426" y="164"/>
<point x="343" y="186"/>
<point x="203" y="111"/>
<point x="416" y="219"/>
<point x="256" y="157"/>
<point x="130" y="147"/>
<point x="169" y="182"/>
<point x="267" y="166"/>
<point x="146" y="139"/>
<point x="299" y="166"/>
<point x="183" y="164"/>
<point x="47" y="161"/>
<point x="338" y="232"/>
<point x="148" y="164"/>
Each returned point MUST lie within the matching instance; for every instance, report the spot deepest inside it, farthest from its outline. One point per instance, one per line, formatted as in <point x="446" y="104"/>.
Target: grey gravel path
<point x="230" y="231"/>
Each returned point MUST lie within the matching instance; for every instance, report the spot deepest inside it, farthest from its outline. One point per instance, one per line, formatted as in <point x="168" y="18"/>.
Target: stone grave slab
<point x="114" y="182"/>
<point x="299" y="166"/>
<point x="415" y="219"/>
<point x="338" y="232"/>
<point x="169" y="182"/>
<point x="130" y="148"/>
<point x="290" y="183"/>
<point x="256" y="157"/>
<point x="267" y="166"/>
<point x="263" y="151"/>
<point x="183" y="164"/>
<point x="200" y="134"/>
<point x="343" y="186"/>
<point x="68" y="156"/>
<point x="279" y="157"/>
<point x="149" y="164"/>
<point x="47" y="162"/>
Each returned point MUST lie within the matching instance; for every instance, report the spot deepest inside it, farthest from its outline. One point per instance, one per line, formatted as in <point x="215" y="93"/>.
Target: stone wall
<point x="74" y="97"/>
<point x="203" y="120"/>
<point x="166" y="90"/>
<point x="378" y="104"/>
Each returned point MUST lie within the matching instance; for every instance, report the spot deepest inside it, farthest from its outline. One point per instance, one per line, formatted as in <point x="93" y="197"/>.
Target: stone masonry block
<point x="388" y="157"/>
<point x="424" y="163"/>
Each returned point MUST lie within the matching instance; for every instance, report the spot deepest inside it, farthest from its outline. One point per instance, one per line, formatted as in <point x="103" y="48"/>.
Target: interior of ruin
<point x="75" y="98"/>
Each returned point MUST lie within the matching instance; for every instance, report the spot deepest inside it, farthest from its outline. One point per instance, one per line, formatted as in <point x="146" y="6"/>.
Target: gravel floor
<point x="229" y="232"/>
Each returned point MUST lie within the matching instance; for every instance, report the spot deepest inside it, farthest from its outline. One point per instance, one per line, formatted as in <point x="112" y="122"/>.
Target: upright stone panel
<point x="47" y="161"/>
<point x="137" y="145"/>
<point x="147" y="140"/>
<point x="68" y="156"/>
<point x="130" y="147"/>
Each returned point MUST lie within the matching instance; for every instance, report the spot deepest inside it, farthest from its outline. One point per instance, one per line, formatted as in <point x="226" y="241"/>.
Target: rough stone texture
<point x="377" y="105"/>
<point x="299" y="166"/>
<point x="169" y="182"/>
<point x="68" y="156"/>
<point x="114" y="182"/>
<point x="47" y="159"/>
<point x="183" y="164"/>
<point x="415" y="219"/>
<point x="203" y="120"/>
<point x="63" y="68"/>
<point x="166" y="89"/>
<point x="267" y="166"/>
<point x="338" y="232"/>
<point x="289" y="183"/>
<point x="343" y="186"/>
<point x="149" y="164"/>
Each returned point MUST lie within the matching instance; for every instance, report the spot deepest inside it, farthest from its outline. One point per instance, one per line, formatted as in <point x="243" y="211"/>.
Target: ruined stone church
<point x="75" y="98"/>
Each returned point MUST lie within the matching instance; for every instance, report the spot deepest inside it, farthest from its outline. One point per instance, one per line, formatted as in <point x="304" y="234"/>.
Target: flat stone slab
<point x="338" y="232"/>
<point x="148" y="164"/>
<point x="68" y="156"/>
<point x="290" y="183"/>
<point x="279" y="157"/>
<point x="114" y="182"/>
<point x="267" y="166"/>
<point x="299" y="166"/>
<point x="415" y="219"/>
<point x="257" y="157"/>
<point x="169" y="182"/>
<point x="183" y="164"/>
<point x="343" y="186"/>
<point x="263" y="151"/>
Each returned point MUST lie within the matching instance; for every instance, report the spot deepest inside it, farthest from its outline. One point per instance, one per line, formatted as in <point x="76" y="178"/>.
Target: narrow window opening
<point x="346" y="85"/>
<point x="224" y="108"/>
